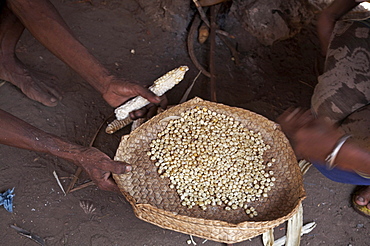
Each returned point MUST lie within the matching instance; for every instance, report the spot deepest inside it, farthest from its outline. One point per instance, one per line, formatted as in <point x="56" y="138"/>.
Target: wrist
<point x="101" y="83"/>
<point x="65" y="150"/>
<point x="104" y="83"/>
<point x="330" y="160"/>
<point x="353" y="157"/>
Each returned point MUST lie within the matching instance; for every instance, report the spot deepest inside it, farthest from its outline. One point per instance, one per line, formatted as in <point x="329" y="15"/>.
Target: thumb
<point x="117" y="167"/>
<point x="108" y="184"/>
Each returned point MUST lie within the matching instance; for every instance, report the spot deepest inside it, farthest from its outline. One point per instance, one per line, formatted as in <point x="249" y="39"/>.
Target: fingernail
<point x="158" y="99"/>
<point x="53" y="99"/>
<point x="128" y="168"/>
<point x="360" y="199"/>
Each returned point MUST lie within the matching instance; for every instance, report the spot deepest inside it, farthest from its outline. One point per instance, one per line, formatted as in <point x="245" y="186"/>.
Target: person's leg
<point x="361" y="196"/>
<point x="32" y="83"/>
<point x="43" y="21"/>
<point x="358" y="124"/>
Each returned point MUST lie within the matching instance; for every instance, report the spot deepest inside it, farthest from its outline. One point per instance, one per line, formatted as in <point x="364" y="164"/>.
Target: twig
<point x="300" y="81"/>
<point x="224" y="33"/>
<point x="191" y="36"/>
<point x="60" y="185"/>
<point x="187" y="92"/>
<point x="202" y="13"/>
<point x="29" y="235"/>
<point x="74" y="180"/>
<point x="82" y="186"/>
<point x="233" y="51"/>
<point x="192" y="240"/>
<point x="190" y="40"/>
<point x="2" y="83"/>
<point x="62" y="178"/>
<point x="212" y="54"/>
<point x="205" y="20"/>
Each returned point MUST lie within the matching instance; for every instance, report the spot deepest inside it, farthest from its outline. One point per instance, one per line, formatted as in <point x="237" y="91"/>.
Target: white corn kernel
<point x="211" y="159"/>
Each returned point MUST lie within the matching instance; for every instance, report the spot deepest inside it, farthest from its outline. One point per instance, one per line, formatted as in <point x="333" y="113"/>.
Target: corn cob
<point x="159" y="87"/>
<point x="117" y="124"/>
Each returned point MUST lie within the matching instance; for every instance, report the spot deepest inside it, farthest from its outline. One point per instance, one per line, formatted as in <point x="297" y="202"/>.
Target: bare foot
<point x="363" y="197"/>
<point x="35" y="85"/>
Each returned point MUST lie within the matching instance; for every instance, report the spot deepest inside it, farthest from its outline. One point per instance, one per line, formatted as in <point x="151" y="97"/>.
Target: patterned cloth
<point x="344" y="87"/>
<point x="342" y="94"/>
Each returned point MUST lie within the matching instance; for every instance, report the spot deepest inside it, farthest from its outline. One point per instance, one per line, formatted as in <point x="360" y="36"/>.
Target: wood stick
<point x="82" y="186"/>
<point x="191" y="36"/>
<point x="74" y="180"/>
<point x="212" y="53"/>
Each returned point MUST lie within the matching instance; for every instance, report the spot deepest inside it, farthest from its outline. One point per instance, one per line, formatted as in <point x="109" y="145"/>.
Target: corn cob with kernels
<point x="160" y="86"/>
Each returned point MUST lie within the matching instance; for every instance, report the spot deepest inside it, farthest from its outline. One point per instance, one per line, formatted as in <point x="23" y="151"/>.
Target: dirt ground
<point x="267" y="81"/>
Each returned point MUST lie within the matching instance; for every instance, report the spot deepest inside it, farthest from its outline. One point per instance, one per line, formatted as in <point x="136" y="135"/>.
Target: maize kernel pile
<point x="213" y="160"/>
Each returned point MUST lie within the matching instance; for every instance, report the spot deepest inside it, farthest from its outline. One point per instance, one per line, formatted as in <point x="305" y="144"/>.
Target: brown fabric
<point x="358" y="125"/>
<point x="155" y="202"/>
<point x="344" y="86"/>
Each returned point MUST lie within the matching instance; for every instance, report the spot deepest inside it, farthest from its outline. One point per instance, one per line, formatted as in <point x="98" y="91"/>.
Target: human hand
<point x="100" y="167"/>
<point x="312" y="139"/>
<point x="149" y="110"/>
<point x="294" y="119"/>
<point x="119" y="91"/>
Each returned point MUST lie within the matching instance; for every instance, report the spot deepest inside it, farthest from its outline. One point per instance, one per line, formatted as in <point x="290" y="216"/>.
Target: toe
<point x="362" y="197"/>
<point x="361" y="200"/>
<point x="38" y="94"/>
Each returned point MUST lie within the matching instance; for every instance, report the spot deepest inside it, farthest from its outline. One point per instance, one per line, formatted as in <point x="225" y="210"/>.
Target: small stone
<point x="360" y="226"/>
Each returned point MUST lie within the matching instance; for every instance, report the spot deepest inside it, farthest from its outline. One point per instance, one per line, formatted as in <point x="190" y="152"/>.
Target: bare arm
<point x="314" y="139"/>
<point x="327" y="19"/>
<point x="17" y="133"/>
<point x="45" y="23"/>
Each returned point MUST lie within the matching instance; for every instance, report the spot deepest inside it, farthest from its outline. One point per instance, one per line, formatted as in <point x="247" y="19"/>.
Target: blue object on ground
<point x="6" y="199"/>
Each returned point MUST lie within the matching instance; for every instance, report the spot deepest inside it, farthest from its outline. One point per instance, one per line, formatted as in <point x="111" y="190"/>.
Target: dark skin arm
<point x="314" y="139"/>
<point x="45" y="23"/>
<point x="327" y="19"/>
<point x="17" y="133"/>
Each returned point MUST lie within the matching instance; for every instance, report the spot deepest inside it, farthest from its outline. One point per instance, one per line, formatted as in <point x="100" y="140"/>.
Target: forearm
<point x="17" y="133"/>
<point x="328" y="17"/>
<point x="354" y="158"/>
<point x="45" y="23"/>
<point x="338" y="8"/>
<point x="317" y="139"/>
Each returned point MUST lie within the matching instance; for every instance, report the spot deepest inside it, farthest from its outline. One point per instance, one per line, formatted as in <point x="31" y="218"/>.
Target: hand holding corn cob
<point x="159" y="87"/>
<point x="120" y="90"/>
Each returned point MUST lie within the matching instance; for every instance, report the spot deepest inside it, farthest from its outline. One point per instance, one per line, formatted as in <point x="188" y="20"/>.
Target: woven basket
<point x="153" y="201"/>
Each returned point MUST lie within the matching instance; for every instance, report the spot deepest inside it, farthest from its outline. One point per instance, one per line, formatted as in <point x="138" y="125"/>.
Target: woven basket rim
<point x="142" y="209"/>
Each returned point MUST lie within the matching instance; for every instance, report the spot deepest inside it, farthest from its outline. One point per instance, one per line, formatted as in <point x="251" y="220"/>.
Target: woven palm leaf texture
<point x="155" y="202"/>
